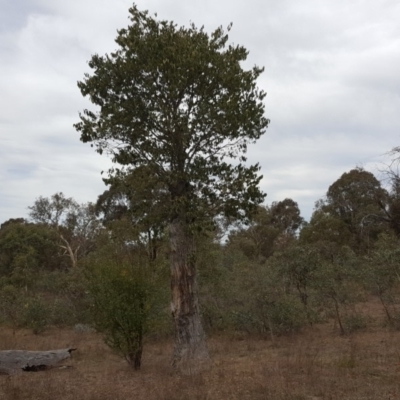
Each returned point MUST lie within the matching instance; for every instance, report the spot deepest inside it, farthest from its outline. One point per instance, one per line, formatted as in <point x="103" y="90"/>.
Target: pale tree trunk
<point x="190" y="352"/>
<point x="73" y="255"/>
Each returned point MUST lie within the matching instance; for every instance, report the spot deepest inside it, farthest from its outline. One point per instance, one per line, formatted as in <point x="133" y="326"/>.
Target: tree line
<point x="59" y="233"/>
<point x="271" y="276"/>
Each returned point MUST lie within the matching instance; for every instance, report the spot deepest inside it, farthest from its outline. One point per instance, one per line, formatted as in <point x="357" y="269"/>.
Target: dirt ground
<point x="315" y="364"/>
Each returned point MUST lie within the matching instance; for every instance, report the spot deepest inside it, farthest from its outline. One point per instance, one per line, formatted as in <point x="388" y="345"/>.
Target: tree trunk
<point x="339" y="319"/>
<point x="135" y="357"/>
<point x="389" y="317"/>
<point x="190" y="353"/>
<point x="73" y="256"/>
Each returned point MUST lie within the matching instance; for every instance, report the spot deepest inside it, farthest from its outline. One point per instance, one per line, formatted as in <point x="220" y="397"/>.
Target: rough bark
<point x="190" y="353"/>
<point x="18" y="361"/>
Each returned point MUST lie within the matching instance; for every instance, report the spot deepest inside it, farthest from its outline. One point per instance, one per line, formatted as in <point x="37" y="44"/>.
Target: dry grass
<point x="317" y="364"/>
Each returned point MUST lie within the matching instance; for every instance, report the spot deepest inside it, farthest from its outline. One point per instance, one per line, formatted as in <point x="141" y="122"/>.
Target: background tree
<point x="335" y="280"/>
<point x="286" y="215"/>
<point x="392" y="175"/>
<point x="327" y="232"/>
<point x="357" y="199"/>
<point x="297" y="265"/>
<point x="271" y="228"/>
<point x="25" y="248"/>
<point x="391" y="209"/>
<point x="135" y="202"/>
<point x="256" y="239"/>
<point x="382" y="276"/>
<point x="76" y="225"/>
<point x="177" y="102"/>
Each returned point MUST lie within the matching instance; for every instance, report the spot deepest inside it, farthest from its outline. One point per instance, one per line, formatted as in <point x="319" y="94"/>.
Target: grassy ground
<point x="316" y="364"/>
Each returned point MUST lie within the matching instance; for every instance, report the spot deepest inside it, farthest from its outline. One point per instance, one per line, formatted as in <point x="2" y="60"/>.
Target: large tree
<point x="177" y="102"/>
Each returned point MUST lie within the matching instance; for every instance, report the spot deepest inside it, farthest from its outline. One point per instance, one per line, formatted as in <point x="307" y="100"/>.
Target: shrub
<point x="277" y="317"/>
<point x="62" y="313"/>
<point x="354" y="322"/>
<point x="124" y="297"/>
<point x="10" y="304"/>
<point x="35" y="315"/>
<point x="286" y="316"/>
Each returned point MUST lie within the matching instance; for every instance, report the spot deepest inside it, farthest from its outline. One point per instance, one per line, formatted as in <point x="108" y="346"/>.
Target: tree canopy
<point x="76" y="224"/>
<point x="353" y="211"/>
<point x="177" y="101"/>
<point x="272" y="227"/>
<point x="27" y="247"/>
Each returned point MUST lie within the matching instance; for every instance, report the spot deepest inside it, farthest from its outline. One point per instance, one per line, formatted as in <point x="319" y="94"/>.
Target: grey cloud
<point x="331" y="73"/>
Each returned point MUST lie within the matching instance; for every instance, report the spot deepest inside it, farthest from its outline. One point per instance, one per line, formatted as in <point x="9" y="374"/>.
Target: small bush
<point x="286" y="316"/>
<point x="214" y="319"/>
<point x="274" y="317"/>
<point x="124" y="297"/>
<point x="35" y="315"/>
<point x="62" y="313"/>
<point x="354" y="322"/>
<point x="10" y="304"/>
<point x="245" y="321"/>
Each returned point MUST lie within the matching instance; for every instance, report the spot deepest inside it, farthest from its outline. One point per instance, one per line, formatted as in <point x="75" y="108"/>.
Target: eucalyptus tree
<point x="354" y="195"/>
<point x="26" y="248"/>
<point x="76" y="224"/>
<point x="353" y="211"/>
<point x="286" y="216"/>
<point x="271" y="228"/>
<point x="391" y="179"/>
<point x="178" y="102"/>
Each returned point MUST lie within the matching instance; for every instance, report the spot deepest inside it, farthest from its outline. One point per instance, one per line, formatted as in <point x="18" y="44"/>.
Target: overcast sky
<point x="332" y="74"/>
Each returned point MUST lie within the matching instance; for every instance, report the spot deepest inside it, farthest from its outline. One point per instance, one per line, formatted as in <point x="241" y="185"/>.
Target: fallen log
<point x="19" y="361"/>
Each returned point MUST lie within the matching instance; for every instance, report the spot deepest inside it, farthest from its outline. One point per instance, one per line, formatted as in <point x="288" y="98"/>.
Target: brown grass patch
<point x="317" y="364"/>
